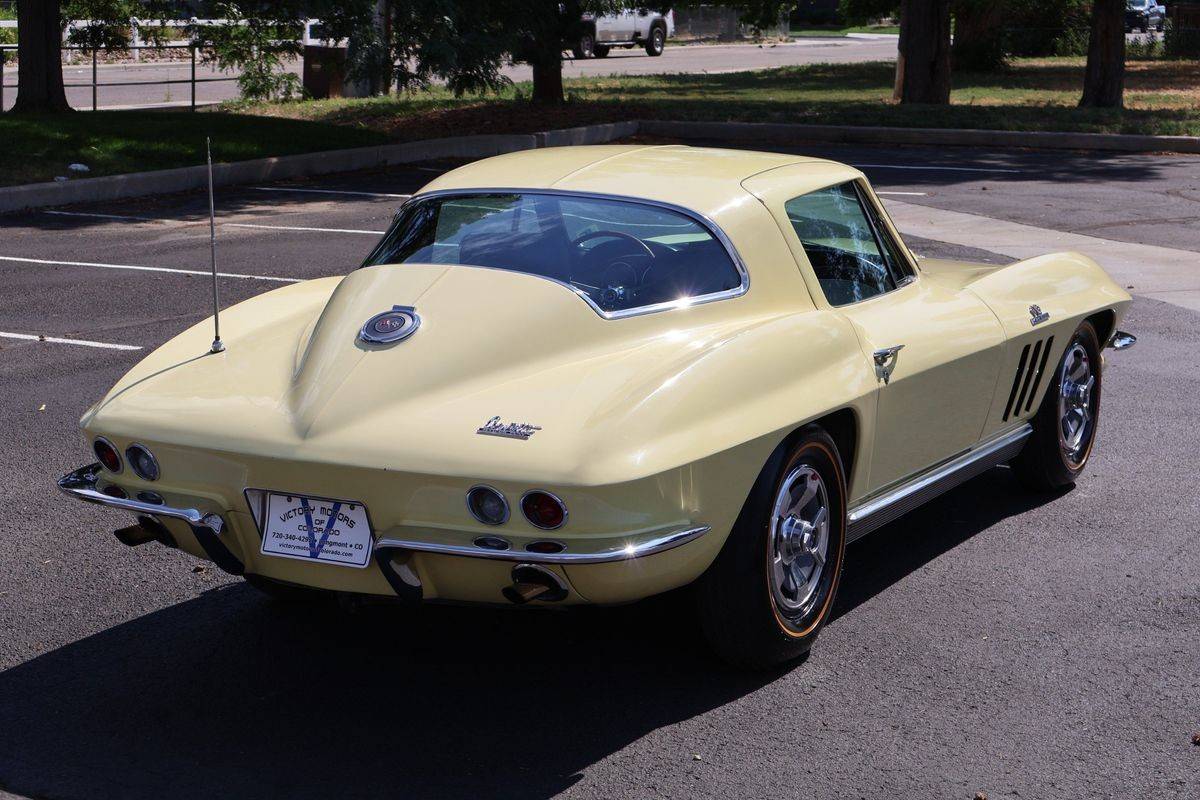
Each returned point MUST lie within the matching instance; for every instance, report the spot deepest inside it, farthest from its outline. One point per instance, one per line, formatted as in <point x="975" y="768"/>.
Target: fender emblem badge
<point x="393" y="325"/>
<point x="510" y="430"/>
<point x="1037" y="316"/>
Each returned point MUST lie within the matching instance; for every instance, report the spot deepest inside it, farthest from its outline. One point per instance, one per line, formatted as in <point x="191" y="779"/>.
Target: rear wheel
<point x="601" y="51"/>
<point x="1064" y="428"/>
<point x="585" y="47"/>
<point x="764" y="600"/>
<point x="656" y="42"/>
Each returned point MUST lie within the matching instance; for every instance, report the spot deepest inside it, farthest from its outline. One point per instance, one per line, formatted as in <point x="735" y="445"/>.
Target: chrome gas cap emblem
<point x="390" y="326"/>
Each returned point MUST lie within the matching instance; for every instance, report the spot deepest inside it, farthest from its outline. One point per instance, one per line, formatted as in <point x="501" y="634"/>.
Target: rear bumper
<point x="82" y="484"/>
<point x="231" y="540"/>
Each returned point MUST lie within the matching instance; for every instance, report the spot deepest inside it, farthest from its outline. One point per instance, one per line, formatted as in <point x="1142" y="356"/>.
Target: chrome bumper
<point x="634" y="548"/>
<point x="208" y="528"/>
<point x="81" y="484"/>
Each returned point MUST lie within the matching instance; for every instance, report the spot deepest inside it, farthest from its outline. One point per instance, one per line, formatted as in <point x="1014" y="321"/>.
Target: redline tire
<point x="748" y="616"/>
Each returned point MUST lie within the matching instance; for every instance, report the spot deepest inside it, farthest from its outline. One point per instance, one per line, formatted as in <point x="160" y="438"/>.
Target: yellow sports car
<point x="595" y="374"/>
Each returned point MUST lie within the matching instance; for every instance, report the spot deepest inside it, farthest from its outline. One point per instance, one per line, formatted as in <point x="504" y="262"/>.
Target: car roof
<point x="703" y="179"/>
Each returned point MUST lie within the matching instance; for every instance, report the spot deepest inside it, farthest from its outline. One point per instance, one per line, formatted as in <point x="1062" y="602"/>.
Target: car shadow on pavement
<point x="231" y="694"/>
<point x="892" y="552"/>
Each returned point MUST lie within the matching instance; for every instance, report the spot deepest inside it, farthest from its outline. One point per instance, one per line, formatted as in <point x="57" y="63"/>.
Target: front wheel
<point x="601" y="51"/>
<point x="1064" y="428"/>
<point x="764" y="600"/>
<point x="656" y="42"/>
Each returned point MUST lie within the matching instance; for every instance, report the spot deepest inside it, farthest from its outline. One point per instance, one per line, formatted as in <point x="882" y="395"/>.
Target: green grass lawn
<point x="38" y="148"/>
<point x="1162" y="97"/>
<point x="839" y="30"/>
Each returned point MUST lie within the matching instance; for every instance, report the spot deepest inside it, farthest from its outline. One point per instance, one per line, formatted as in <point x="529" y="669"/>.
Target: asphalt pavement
<point x="997" y="641"/>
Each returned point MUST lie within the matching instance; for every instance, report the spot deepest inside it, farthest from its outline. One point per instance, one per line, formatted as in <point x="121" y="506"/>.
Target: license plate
<point x="317" y="529"/>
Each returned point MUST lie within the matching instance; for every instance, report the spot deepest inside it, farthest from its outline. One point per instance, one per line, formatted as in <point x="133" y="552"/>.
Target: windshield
<point x="1137" y="3"/>
<point x="623" y="255"/>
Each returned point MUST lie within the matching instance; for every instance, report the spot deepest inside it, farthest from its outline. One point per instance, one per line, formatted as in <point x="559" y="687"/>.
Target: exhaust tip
<point x="534" y="582"/>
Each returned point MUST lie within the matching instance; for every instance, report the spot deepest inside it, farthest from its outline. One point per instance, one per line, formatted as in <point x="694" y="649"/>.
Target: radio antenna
<point x="217" y="346"/>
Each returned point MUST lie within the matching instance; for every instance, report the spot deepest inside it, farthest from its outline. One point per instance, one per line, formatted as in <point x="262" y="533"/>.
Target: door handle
<point x="885" y="361"/>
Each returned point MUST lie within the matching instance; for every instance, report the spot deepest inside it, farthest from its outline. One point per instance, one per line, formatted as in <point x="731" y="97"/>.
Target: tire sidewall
<point x="821" y="453"/>
<point x="1085" y="335"/>
<point x="586" y="47"/>
<point x="657" y="41"/>
<point x="737" y="608"/>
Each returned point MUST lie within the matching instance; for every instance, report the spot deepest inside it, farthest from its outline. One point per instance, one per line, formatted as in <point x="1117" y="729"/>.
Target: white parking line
<point x="328" y="191"/>
<point x="55" y="263"/>
<point x="205" y="222"/>
<point x="298" y="228"/>
<point x="103" y="216"/>
<point x="906" y="194"/>
<point x="942" y="169"/>
<point x="57" y="340"/>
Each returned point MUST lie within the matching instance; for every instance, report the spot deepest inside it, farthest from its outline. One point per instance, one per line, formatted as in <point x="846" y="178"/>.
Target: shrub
<point x="1181" y="42"/>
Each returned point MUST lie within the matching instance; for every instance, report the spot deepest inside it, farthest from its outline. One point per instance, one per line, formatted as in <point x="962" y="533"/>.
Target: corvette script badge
<point x="511" y="430"/>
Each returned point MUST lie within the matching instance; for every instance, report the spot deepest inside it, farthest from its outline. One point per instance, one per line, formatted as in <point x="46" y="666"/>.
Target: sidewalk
<point x="1162" y="273"/>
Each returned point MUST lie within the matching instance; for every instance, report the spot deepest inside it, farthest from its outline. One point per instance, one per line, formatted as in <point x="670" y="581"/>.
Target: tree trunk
<point x="978" y="35"/>
<point x="547" y="79"/>
<point x="39" y="48"/>
<point x="1104" y="80"/>
<point x="380" y="80"/>
<point x="923" y="61"/>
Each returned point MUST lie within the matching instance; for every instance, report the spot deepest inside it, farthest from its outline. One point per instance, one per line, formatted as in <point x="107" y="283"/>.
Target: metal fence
<point x="95" y="83"/>
<point x="136" y="47"/>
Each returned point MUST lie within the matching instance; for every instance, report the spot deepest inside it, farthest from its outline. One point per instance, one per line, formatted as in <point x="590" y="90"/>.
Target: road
<point x="676" y="58"/>
<point x="996" y="641"/>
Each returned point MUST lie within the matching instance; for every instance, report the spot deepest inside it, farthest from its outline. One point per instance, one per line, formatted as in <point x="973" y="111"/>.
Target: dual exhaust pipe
<point x="534" y="582"/>
<point x="530" y="581"/>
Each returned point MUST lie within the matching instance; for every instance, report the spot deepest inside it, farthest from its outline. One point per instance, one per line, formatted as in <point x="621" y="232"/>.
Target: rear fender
<point x="1040" y="302"/>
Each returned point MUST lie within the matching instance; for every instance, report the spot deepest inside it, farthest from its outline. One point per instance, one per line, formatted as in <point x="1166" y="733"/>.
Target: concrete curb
<point x="183" y="179"/>
<point x="140" y="184"/>
<point x="588" y="134"/>
<point x="845" y="134"/>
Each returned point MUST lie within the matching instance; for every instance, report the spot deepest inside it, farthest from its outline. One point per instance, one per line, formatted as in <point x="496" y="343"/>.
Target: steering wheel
<point x="587" y="237"/>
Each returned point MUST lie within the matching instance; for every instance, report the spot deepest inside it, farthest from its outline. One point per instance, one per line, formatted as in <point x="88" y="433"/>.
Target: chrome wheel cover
<point x="799" y="531"/>
<point x="1076" y="404"/>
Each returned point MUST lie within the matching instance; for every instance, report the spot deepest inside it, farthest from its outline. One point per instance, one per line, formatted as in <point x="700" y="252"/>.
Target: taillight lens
<point x="487" y="505"/>
<point x="543" y="510"/>
<point x="142" y="462"/>
<point x="107" y="454"/>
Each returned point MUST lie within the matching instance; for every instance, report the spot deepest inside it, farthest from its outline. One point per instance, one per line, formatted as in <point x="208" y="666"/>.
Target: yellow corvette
<point x="594" y="374"/>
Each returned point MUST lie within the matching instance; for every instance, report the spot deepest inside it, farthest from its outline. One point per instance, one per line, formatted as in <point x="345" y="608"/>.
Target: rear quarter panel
<point x="1068" y="286"/>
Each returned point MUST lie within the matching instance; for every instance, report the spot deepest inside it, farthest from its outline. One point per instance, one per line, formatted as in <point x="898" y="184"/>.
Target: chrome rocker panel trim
<point x="877" y="512"/>
<point x="81" y="484"/>
<point x="658" y="543"/>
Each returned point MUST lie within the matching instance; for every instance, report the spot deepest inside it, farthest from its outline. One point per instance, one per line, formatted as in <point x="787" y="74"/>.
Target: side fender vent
<point x="1028" y="377"/>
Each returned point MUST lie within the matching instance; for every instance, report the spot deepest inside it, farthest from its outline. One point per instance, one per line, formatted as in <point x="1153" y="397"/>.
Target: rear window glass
<point x="623" y="255"/>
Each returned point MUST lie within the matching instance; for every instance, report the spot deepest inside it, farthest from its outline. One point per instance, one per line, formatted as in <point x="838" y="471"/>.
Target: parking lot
<point x="996" y="641"/>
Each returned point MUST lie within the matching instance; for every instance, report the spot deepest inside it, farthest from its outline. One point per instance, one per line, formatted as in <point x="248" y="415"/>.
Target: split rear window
<point x="623" y="255"/>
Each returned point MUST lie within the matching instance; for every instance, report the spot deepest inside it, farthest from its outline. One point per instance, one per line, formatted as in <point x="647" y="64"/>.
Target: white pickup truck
<point x="630" y="28"/>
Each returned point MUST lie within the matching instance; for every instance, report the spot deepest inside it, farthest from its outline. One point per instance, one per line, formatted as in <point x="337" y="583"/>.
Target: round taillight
<point x="543" y="510"/>
<point x="142" y="462"/>
<point x="487" y="505"/>
<point x="107" y="454"/>
<point x="112" y="490"/>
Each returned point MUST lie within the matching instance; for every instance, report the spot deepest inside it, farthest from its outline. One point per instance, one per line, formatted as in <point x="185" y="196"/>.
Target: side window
<point x="847" y="246"/>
